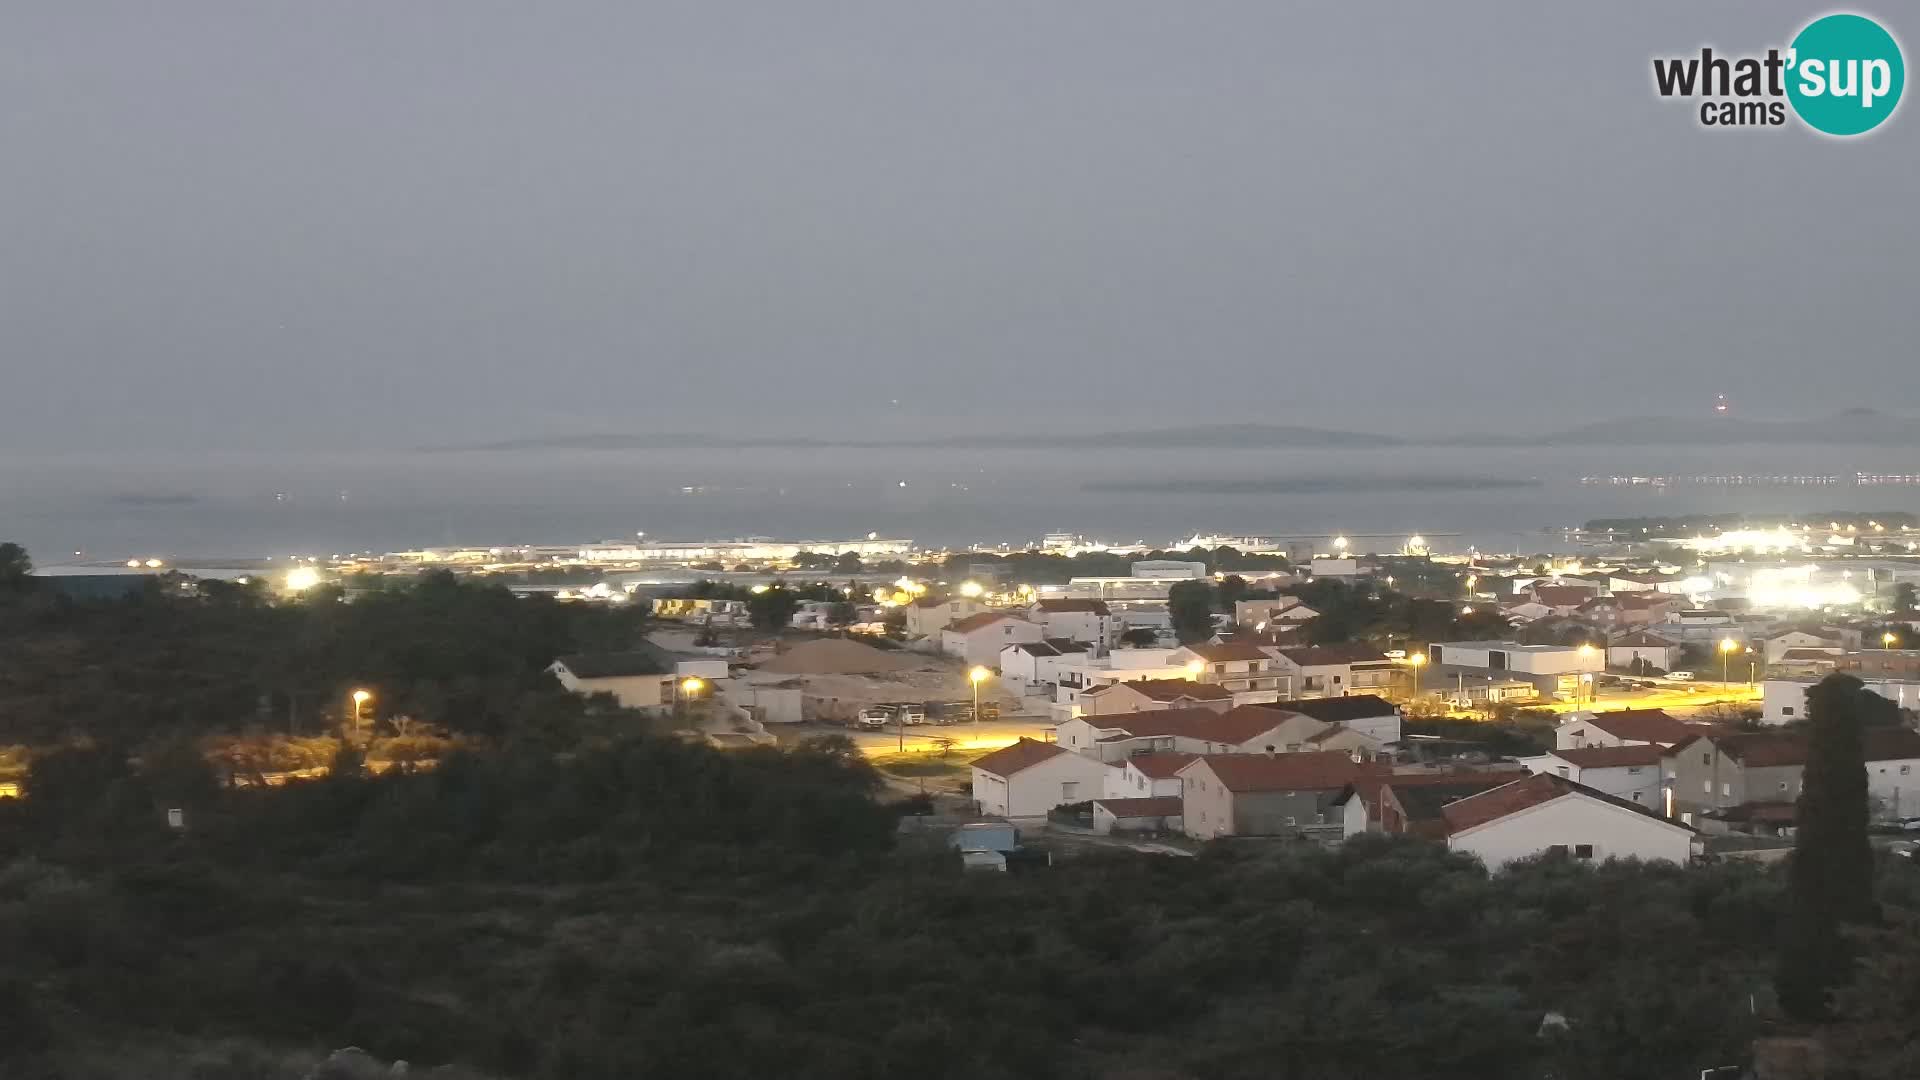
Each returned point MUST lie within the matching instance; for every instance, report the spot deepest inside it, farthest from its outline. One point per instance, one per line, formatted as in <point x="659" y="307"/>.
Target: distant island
<point x="1851" y="427"/>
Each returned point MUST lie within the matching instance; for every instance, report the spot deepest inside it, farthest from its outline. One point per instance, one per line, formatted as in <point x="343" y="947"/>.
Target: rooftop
<point x="1538" y="789"/>
<point x="1154" y="806"/>
<point x="1327" y="770"/>
<point x="1339" y="710"/>
<point x="1022" y="755"/>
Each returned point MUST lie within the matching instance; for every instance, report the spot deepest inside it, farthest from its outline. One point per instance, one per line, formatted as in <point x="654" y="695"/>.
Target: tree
<point x="15" y="568"/>
<point x="1190" y="608"/>
<point x="1831" y="876"/>
<point x="1906" y="596"/>
<point x="772" y="609"/>
<point x="1140" y="637"/>
<point x="1233" y="589"/>
<point x="1875" y="1034"/>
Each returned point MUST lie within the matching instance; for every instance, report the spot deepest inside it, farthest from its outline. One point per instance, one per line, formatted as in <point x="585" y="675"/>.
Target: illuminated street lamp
<point x="1593" y="688"/>
<point x="1887" y="639"/>
<point x="1417" y="661"/>
<point x="360" y="698"/>
<point x="976" y="676"/>
<point x="1727" y="646"/>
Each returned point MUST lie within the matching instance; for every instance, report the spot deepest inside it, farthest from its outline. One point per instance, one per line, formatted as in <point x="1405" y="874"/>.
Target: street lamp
<point x="1416" y="661"/>
<point x="360" y="698"/>
<point x="976" y="676"/>
<point x="692" y="685"/>
<point x="1887" y="639"/>
<point x="1593" y="688"/>
<point x="1727" y="645"/>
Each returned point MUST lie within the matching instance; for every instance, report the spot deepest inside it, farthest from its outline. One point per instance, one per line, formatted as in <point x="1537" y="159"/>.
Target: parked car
<point x="1680" y="676"/>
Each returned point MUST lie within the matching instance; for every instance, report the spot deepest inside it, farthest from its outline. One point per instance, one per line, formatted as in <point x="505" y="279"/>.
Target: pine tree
<point x="1831" y="877"/>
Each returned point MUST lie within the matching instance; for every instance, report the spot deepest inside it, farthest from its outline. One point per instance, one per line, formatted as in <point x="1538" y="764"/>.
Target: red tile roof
<point x="1061" y="607"/>
<point x="1535" y="790"/>
<point x="1608" y="757"/>
<point x="1832" y="656"/>
<point x="1329" y="655"/>
<point x="1568" y="596"/>
<point x="985" y="618"/>
<point x="1155" y="806"/>
<point x="1368" y="788"/>
<point x="1151" y="722"/>
<point x="1643" y="725"/>
<point x="1175" y="689"/>
<point x="1236" y="725"/>
<point x="1024" y="754"/>
<point x="1230" y="650"/>
<point x="1328" y="770"/>
<point x="1161" y="765"/>
<point x="1767" y="749"/>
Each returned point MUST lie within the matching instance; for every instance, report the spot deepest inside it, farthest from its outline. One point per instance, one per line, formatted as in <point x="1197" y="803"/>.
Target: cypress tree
<point x="1831" y="877"/>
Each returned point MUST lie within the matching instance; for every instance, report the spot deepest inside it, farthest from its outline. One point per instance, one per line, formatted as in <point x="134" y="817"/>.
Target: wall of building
<point x="1613" y="832"/>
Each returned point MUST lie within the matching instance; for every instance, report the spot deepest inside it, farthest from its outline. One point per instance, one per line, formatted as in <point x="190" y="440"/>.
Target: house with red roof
<point x="1409" y="803"/>
<point x="1158" y="814"/>
<point x="1243" y="729"/>
<point x="1717" y="771"/>
<point x="1144" y="775"/>
<point x="1632" y="771"/>
<point x="1077" y="619"/>
<point x="1267" y="794"/>
<point x="1030" y="778"/>
<point x="1316" y="671"/>
<point x="1549" y="814"/>
<point x="1624" y="727"/>
<point x="978" y="639"/>
<point x="1144" y="695"/>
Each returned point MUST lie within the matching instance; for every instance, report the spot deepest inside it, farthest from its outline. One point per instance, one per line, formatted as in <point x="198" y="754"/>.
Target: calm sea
<point x="248" y="506"/>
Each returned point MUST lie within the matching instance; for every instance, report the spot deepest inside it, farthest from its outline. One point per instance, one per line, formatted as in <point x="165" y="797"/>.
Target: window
<point x="1563" y="771"/>
<point x="1269" y="748"/>
<point x="1905" y="769"/>
<point x="1783" y="785"/>
<point x="1726" y="789"/>
<point x="1633" y="770"/>
<point x="1557" y="849"/>
<point x="1786" y="710"/>
<point x="1636" y="796"/>
<point x="1069" y="792"/>
<point x="1706" y="758"/>
<point x="1706" y="786"/>
<point x="1583" y="851"/>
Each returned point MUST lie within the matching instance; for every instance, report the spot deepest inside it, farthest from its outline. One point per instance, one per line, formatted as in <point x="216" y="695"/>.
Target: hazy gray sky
<point x="250" y="225"/>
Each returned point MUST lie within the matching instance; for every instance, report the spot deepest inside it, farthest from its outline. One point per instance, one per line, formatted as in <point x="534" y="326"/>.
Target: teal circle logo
<point x="1845" y="74"/>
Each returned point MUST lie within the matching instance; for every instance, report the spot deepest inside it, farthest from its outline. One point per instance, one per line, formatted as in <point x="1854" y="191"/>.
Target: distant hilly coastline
<point x="1852" y="427"/>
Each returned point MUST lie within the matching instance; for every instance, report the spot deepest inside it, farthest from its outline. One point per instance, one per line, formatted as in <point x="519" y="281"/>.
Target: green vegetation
<point x="1832" y="872"/>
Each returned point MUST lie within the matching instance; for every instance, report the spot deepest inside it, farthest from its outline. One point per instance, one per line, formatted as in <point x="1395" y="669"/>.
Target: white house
<point x="1089" y="621"/>
<point x="642" y="679"/>
<point x="1632" y="773"/>
<point x="1033" y="667"/>
<point x="926" y="617"/>
<point x="1368" y="714"/>
<point x="1330" y="670"/>
<point x="978" y="639"/>
<point x="1145" y="695"/>
<point x="1145" y="775"/>
<point x="1545" y="813"/>
<point x="1030" y="778"/>
<point x="1625" y="727"/>
<point x="1778" y="644"/>
<point x="1630" y="650"/>
<point x="1245" y="729"/>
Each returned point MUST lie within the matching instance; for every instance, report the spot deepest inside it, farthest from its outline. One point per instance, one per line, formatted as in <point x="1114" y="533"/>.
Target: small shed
<point x="1161" y="813"/>
<point x="985" y="836"/>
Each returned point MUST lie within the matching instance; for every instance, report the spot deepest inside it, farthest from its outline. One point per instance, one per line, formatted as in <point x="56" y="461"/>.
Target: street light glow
<point x="970" y="589"/>
<point x="978" y="675"/>
<point x="301" y="578"/>
<point x="691" y="684"/>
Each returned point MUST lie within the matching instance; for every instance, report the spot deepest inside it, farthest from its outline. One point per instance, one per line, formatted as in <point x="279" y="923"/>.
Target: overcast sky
<point x="251" y="225"/>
